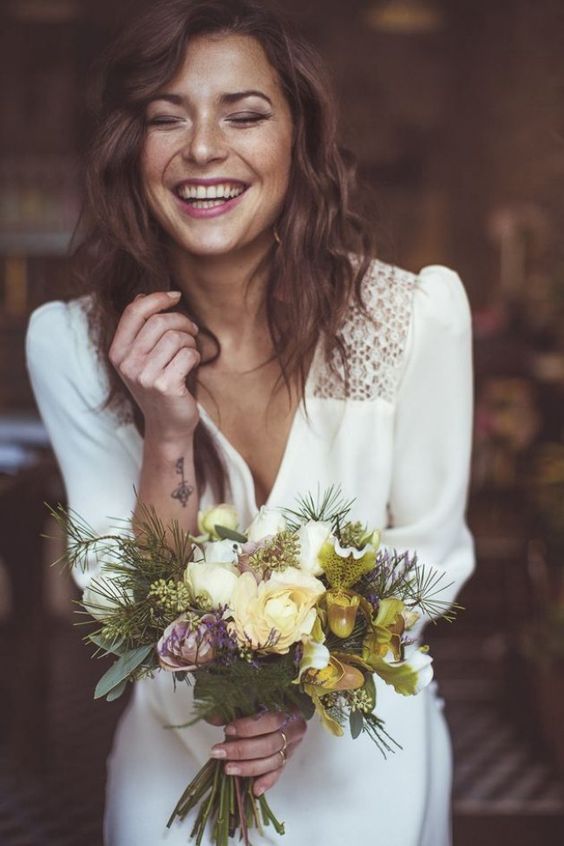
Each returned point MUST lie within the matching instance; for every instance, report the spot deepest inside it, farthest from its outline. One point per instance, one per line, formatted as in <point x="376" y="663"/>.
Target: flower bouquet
<point x="300" y="611"/>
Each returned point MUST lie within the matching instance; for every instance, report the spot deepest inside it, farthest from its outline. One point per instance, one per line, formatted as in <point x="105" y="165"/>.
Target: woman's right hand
<point x="154" y="353"/>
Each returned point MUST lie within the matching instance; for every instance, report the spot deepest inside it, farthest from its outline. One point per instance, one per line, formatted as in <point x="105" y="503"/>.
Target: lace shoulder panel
<point x="373" y="340"/>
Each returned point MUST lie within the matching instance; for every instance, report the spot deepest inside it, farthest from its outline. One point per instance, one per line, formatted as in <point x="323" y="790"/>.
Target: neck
<point x="226" y="292"/>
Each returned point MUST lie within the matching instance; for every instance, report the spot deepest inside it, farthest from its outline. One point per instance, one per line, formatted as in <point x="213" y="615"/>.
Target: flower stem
<point x="228" y="802"/>
<point x="241" y="810"/>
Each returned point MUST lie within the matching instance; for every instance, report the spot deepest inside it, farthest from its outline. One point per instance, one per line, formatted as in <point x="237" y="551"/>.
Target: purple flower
<point x="185" y="646"/>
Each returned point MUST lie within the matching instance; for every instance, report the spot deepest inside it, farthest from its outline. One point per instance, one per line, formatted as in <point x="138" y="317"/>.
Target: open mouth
<point x="210" y="196"/>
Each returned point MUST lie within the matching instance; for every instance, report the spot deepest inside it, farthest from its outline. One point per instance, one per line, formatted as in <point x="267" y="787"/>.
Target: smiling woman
<point x="238" y="340"/>
<point x="203" y="136"/>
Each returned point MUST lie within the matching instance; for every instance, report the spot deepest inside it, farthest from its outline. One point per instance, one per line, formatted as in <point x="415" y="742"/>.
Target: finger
<point x="261" y="746"/>
<point x="158" y="325"/>
<point x="263" y="783"/>
<point x="134" y="317"/>
<point x="173" y="378"/>
<point x="256" y="767"/>
<point x="161" y="356"/>
<point x="264" y="723"/>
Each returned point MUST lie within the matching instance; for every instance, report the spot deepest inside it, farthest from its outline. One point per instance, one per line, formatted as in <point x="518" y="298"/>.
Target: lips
<point x="209" y="197"/>
<point x="209" y="193"/>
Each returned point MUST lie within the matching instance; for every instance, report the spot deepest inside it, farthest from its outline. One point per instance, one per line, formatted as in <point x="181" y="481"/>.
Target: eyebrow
<point x="232" y="97"/>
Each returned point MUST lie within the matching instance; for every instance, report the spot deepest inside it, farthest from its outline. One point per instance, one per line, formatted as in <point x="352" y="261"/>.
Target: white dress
<point x="400" y="444"/>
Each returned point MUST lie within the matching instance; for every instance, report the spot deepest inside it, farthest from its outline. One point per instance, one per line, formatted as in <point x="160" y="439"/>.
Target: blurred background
<point x="455" y="111"/>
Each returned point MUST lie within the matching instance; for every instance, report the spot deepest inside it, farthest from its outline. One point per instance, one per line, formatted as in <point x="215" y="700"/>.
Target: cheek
<point x="271" y="156"/>
<point x="277" y="162"/>
<point x="153" y="161"/>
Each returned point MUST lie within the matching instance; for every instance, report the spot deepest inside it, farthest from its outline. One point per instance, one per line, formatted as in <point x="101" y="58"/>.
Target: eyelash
<point x="161" y="121"/>
<point x="250" y="120"/>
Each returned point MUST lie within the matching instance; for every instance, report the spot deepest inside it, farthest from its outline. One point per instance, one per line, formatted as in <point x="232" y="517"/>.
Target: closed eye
<point x="248" y="118"/>
<point x="162" y="120"/>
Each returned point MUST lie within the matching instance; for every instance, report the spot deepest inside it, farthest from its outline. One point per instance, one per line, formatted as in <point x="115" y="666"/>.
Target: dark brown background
<point x="459" y="133"/>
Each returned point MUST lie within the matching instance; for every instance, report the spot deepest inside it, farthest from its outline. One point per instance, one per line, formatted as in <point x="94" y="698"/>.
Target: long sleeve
<point x="433" y="432"/>
<point x="97" y="464"/>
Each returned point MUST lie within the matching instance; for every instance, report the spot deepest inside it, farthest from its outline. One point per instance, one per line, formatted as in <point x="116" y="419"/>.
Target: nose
<point x="206" y="142"/>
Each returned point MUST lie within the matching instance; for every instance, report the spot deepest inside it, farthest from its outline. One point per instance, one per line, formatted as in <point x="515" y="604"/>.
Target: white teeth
<point x="206" y="204"/>
<point x="225" y="190"/>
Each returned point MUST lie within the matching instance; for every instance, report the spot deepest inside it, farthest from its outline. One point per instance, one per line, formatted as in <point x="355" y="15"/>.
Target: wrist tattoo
<point x="183" y="491"/>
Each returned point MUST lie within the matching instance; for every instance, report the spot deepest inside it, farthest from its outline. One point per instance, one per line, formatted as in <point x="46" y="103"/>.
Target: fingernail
<point x="232" y="769"/>
<point x="218" y="752"/>
<point x="230" y="730"/>
<point x="195" y="328"/>
<point x="259" y="792"/>
<point x="174" y="294"/>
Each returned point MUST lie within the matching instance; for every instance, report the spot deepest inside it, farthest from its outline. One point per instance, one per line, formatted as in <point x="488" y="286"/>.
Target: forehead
<point x="215" y="63"/>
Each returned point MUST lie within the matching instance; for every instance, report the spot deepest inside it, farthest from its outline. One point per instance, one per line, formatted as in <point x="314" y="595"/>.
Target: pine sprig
<point x="422" y="591"/>
<point x="328" y="507"/>
<point x="399" y="575"/>
<point x="152" y="549"/>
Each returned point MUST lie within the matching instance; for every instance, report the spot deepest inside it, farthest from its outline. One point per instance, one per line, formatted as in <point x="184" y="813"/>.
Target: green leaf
<point x="121" y="670"/>
<point x="370" y="689"/>
<point x="224" y="533"/>
<point x="357" y="723"/>
<point x="116" y="691"/>
<point x="111" y="647"/>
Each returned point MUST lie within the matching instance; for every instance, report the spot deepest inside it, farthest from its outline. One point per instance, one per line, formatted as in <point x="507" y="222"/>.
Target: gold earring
<point x="277" y="236"/>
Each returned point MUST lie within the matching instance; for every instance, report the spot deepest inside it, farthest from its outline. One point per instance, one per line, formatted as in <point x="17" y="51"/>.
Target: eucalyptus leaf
<point x="370" y="689"/>
<point x="229" y="534"/>
<point x="357" y="723"/>
<point x="116" y="691"/>
<point x="121" y="670"/>
<point x="112" y="647"/>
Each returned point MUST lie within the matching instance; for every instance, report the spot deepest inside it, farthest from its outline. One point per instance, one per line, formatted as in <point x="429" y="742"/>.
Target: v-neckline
<point x="243" y="464"/>
<point x="238" y="458"/>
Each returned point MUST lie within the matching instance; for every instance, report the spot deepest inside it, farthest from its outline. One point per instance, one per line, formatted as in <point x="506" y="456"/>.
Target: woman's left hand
<point x="259" y="746"/>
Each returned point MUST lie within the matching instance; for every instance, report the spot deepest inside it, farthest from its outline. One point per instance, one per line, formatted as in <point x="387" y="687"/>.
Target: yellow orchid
<point x="342" y="609"/>
<point x="344" y="566"/>
<point x="336" y="675"/>
<point x="407" y="677"/>
<point x="315" y="656"/>
<point x="385" y="631"/>
<point x="327" y="720"/>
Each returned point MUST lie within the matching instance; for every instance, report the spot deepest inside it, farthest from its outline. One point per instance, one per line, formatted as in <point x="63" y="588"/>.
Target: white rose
<point x="312" y="536"/>
<point x="269" y="521"/>
<point x="218" y="515"/>
<point x="103" y="595"/>
<point x="221" y="551"/>
<point x="215" y="582"/>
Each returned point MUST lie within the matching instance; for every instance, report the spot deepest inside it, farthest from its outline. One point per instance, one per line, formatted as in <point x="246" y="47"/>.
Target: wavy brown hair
<point x="325" y="246"/>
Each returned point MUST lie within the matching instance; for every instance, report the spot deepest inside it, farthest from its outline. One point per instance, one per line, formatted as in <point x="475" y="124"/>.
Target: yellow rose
<point x="274" y="614"/>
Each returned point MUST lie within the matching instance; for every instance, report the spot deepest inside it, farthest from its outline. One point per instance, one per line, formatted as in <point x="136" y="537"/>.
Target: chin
<point x="220" y="246"/>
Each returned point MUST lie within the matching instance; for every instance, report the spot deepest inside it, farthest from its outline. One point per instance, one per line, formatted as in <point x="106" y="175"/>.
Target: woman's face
<point x="216" y="156"/>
